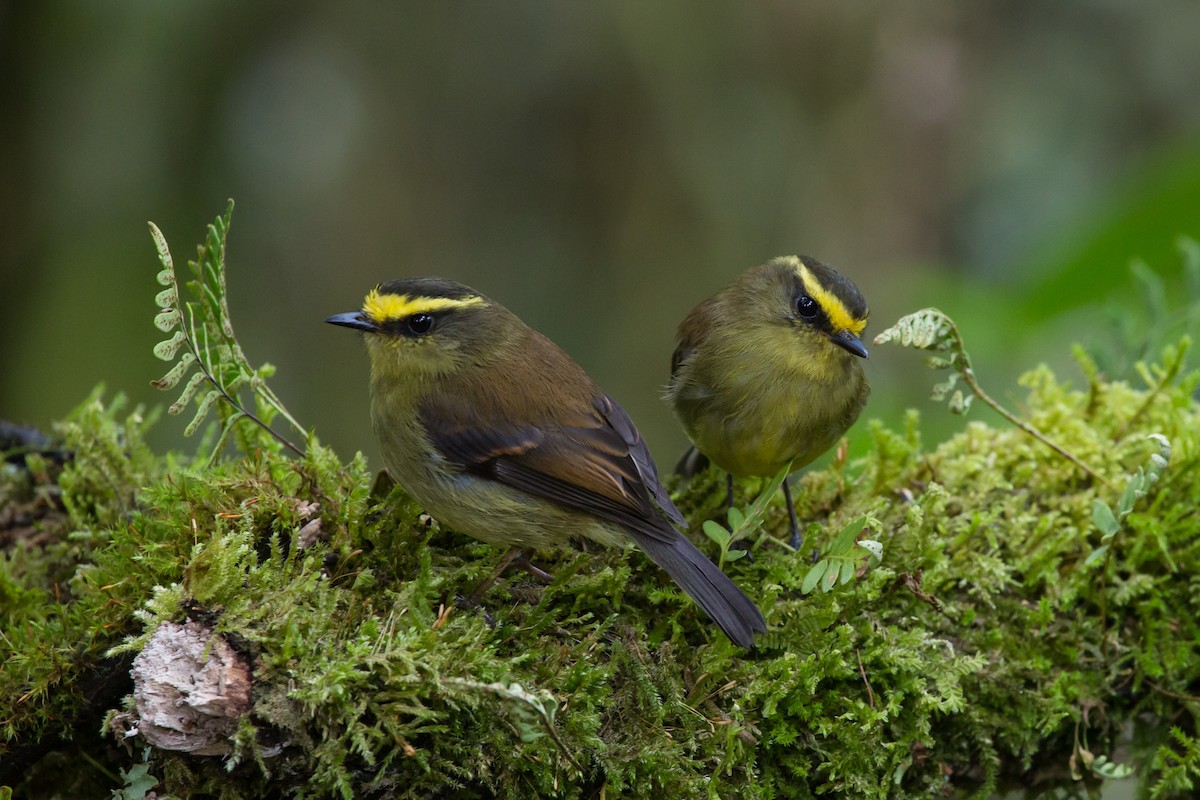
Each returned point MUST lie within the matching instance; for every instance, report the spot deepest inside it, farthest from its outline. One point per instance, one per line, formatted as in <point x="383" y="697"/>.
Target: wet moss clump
<point x="1032" y="619"/>
<point x="990" y="643"/>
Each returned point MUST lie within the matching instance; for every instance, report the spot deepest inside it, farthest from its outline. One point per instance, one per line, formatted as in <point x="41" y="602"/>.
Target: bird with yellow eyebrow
<point x="768" y="371"/>
<point x="500" y="435"/>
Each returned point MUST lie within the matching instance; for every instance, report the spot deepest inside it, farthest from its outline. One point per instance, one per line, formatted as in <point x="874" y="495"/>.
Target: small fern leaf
<point x="167" y="298"/>
<point x="944" y="388"/>
<point x="927" y="329"/>
<point x="176" y="373"/>
<point x="202" y="409"/>
<point x="1096" y="556"/>
<point x="736" y="517"/>
<point x="189" y="391"/>
<point x="960" y="403"/>
<point x="210" y="299"/>
<point x="830" y="578"/>
<point x="814" y="576"/>
<point x="168" y="319"/>
<point x="937" y="362"/>
<point x="1104" y="519"/>
<point x="714" y="531"/>
<point x="167" y="276"/>
<point x="167" y="348"/>
<point x="1129" y="496"/>
<point x="1159" y="460"/>
<point x="843" y="543"/>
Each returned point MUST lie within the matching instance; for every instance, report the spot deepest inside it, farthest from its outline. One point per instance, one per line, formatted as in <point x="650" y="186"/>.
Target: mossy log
<point x="1003" y="636"/>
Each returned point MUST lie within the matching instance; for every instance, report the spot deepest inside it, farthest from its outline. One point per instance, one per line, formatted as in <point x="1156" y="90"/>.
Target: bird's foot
<point x="472" y="602"/>
<point x="523" y="562"/>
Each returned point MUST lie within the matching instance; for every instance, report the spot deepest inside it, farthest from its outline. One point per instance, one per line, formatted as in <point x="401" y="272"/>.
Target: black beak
<point x="358" y="321"/>
<point x="849" y="342"/>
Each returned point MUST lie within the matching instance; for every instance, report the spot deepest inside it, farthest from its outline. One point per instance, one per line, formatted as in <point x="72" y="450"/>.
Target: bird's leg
<point x="728" y="490"/>
<point x="513" y="557"/>
<point x="795" y="540"/>
<point x="506" y="560"/>
<point x="522" y="561"/>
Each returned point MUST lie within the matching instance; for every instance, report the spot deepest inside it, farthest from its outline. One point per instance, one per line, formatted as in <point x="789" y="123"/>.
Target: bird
<point x="501" y="435"/>
<point x="767" y="372"/>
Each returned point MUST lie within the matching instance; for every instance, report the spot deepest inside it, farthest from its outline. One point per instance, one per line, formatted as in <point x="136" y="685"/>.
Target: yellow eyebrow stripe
<point x="383" y="308"/>
<point x="835" y="309"/>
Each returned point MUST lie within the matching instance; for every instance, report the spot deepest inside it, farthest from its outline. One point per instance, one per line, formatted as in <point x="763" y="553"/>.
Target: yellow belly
<point x="757" y="428"/>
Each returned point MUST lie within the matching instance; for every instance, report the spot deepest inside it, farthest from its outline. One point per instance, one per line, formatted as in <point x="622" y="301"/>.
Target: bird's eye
<point x="806" y="306"/>
<point x="420" y="324"/>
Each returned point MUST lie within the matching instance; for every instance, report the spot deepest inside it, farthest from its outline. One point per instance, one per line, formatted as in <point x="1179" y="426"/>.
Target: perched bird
<point x="499" y="434"/>
<point x="768" y="371"/>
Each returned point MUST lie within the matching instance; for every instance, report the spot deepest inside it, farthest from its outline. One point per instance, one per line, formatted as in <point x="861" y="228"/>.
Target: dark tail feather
<point x="712" y="590"/>
<point x="691" y="463"/>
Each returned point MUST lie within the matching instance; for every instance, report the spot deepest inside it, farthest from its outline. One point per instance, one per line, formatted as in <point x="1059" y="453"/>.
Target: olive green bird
<point x="768" y="371"/>
<point x="499" y="434"/>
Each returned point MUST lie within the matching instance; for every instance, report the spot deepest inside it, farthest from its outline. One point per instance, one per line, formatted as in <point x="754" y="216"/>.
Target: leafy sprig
<point x="1108" y="521"/>
<point x="532" y="712"/>
<point x="206" y="351"/>
<point x="743" y="524"/>
<point x="844" y="556"/>
<point x="932" y="330"/>
<point x="842" y="559"/>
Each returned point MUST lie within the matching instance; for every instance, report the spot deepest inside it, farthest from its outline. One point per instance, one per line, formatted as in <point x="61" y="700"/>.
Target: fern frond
<point x="211" y="355"/>
<point x="930" y="329"/>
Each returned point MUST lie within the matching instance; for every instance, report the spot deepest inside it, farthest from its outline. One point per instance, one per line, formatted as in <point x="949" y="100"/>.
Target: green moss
<point x="983" y="647"/>
<point x="1033" y="616"/>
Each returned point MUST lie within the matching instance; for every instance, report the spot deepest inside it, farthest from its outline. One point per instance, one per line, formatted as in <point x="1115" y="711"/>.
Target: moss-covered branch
<point x="987" y="645"/>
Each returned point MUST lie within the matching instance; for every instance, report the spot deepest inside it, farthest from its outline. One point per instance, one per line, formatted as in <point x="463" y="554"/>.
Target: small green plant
<point x="138" y="783"/>
<point x="206" y="351"/>
<point x="532" y="713"/>
<point x="1107" y="521"/>
<point x="743" y="524"/>
<point x="1180" y="767"/>
<point x="930" y="329"/>
<point x="844" y="556"/>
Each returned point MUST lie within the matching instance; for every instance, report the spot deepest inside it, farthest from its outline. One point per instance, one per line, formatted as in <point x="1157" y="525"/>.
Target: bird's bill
<point x="354" y="319"/>
<point x="849" y="342"/>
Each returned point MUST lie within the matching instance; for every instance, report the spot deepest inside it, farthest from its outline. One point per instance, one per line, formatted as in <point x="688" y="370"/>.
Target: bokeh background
<point x="599" y="168"/>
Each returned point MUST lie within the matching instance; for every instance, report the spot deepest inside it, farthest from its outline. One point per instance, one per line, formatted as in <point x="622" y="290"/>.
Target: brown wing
<point x="575" y="446"/>
<point x="593" y="459"/>
<point x="620" y="422"/>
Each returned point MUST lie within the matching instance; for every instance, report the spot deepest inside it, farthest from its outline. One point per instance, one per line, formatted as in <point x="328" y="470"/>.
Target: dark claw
<point x="795" y="540"/>
<point x="472" y="602"/>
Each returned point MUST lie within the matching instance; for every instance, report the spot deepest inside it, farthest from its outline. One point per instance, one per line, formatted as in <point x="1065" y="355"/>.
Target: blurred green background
<point x="597" y="167"/>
